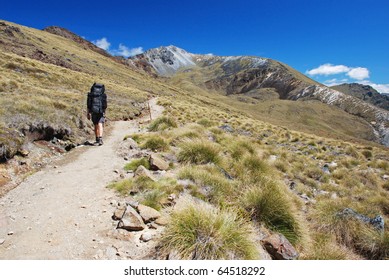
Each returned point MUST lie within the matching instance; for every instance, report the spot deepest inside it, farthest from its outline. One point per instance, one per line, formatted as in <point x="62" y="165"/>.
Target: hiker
<point x="97" y="104"/>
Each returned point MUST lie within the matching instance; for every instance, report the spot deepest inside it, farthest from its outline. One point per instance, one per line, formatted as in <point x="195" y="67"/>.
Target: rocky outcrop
<point x="377" y="222"/>
<point x="365" y="93"/>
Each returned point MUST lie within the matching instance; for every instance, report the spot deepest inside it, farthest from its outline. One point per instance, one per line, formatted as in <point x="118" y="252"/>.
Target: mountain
<point x="259" y="79"/>
<point x="365" y="93"/>
<point x="246" y="148"/>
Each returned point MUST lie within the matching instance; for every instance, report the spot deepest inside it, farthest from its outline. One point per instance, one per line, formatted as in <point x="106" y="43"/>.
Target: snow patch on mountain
<point x="167" y="60"/>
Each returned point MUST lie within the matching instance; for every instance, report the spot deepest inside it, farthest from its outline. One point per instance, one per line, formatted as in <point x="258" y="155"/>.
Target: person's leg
<point x="100" y="129"/>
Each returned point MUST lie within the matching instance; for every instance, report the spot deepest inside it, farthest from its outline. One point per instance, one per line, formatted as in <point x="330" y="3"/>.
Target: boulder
<point x="157" y="163"/>
<point x="145" y="237"/>
<point x="162" y="221"/>
<point x="131" y="220"/>
<point x="279" y="247"/>
<point x="148" y="214"/>
<point x="119" y="213"/>
<point x="143" y="171"/>
<point x="131" y="143"/>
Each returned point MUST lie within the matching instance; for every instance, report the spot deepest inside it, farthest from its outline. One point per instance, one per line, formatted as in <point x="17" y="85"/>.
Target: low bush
<point x="205" y="233"/>
<point x="199" y="152"/>
<point x="156" y="143"/>
<point x="134" y="164"/>
<point x="269" y="204"/>
<point x="162" y="123"/>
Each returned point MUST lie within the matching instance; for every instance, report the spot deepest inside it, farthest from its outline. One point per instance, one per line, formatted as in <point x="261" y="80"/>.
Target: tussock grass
<point x="205" y="233"/>
<point x="252" y="169"/>
<point x="326" y="248"/>
<point x="350" y="232"/>
<point x="123" y="187"/>
<point x="269" y="204"/>
<point x="135" y="163"/>
<point x="217" y="187"/>
<point x="199" y="152"/>
<point x="156" y="143"/>
<point x="162" y="123"/>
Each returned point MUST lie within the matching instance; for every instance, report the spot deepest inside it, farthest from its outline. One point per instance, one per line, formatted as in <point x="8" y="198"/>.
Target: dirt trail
<point x="64" y="211"/>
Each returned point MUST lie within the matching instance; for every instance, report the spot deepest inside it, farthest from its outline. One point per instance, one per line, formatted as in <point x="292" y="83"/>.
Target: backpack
<point x="96" y="98"/>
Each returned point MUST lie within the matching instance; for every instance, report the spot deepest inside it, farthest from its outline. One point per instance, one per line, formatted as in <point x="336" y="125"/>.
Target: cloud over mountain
<point x="122" y="50"/>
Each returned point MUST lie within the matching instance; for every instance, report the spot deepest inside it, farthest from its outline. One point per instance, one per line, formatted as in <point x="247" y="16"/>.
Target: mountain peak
<point x="166" y="60"/>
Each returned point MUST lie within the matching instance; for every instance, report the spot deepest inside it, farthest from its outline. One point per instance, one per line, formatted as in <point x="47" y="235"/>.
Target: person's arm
<point x="89" y="106"/>
<point x="104" y="102"/>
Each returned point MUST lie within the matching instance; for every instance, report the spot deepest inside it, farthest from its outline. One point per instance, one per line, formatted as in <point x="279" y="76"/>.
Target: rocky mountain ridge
<point x="255" y="77"/>
<point x="365" y="93"/>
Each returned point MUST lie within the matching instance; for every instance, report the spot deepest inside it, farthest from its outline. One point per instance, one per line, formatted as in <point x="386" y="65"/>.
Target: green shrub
<point x="134" y="164"/>
<point x="204" y="233"/>
<point x="162" y="123"/>
<point x="269" y="204"/>
<point x="199" y="152"/>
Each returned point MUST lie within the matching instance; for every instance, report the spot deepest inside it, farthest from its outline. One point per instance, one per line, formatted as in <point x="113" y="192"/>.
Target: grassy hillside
<point x="43" y="85"/>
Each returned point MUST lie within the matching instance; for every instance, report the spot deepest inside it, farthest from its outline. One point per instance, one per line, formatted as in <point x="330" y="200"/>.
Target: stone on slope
<point x="157" y="163"/>
<point x="279" y="247"/>
<point x="131" y="220"/>
<point x="143" y="171"/>
<point x="147" y="213"/>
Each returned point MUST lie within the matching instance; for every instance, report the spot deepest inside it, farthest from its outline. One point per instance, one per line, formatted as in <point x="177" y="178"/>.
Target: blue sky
<point x="330" y="41"/>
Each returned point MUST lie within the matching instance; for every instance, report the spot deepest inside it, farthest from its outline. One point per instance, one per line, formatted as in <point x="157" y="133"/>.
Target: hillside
<point x="44" y="81"/>
<point x="365" y="93"/>
<point x="263" y="84"/>
<point x="249" y="158"/>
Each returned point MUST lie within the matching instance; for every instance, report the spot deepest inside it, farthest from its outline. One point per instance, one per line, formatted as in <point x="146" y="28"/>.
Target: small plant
<point x="162" y="123"/>
<point x="269" y="204"/>
<point x="205" y="233"/>
<point x="367" y="154"/>
<point x="134" y="164"/>
<point x="206" y="122"/>
<point x="123" y="187"/>
<point x="156" y="143"/>
<point x="219" y="188"/>
<point x="199" y="152"/>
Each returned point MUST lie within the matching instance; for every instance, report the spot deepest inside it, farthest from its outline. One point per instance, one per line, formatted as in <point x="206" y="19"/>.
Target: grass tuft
<point x="162" y="123"/>
<point x="199" y="152"/>
<point x="134" y="164"/>
<point x="205" y="233"/>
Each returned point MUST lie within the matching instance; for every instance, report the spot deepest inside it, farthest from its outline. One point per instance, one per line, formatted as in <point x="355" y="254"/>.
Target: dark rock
<point x="377" y="222"/>
<point x="279" y="247"/>
<point x="227" y="128"/>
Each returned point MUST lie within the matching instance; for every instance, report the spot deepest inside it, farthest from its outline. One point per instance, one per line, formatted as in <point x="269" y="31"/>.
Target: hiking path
<point x="64" y="210"/>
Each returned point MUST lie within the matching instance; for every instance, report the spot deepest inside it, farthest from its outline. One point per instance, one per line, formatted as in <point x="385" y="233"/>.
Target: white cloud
<point x="381" y="88"/>
<point x="328" y="69"/>
<point x="102" y="43"/>
<point x="358" y="73"/>
<point x="126" y="51"/>
<point x="335" y="82"/>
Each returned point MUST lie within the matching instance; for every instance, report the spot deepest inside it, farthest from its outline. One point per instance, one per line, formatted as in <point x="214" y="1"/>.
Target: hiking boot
<point x="100" y="142"/>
